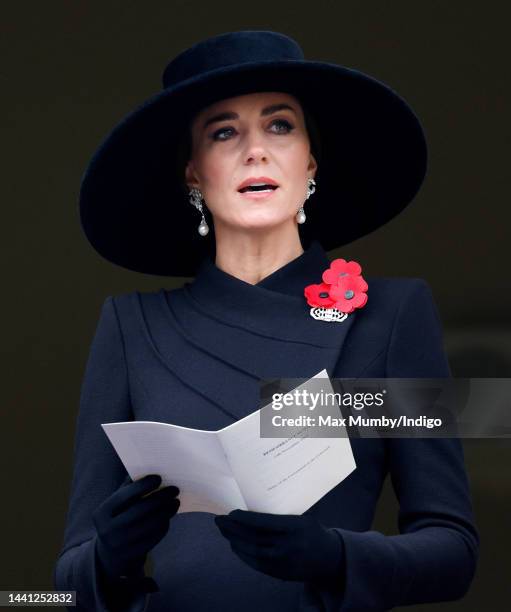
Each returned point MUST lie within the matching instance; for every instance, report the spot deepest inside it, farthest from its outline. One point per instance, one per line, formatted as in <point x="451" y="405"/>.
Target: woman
<point x="334" y="155"/>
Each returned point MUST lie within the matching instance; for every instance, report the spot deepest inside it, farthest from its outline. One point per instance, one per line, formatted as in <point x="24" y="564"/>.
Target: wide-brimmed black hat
<point x="134" y="207"/>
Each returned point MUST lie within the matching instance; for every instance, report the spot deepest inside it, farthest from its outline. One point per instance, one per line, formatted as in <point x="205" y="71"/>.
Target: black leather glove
<point x="129" y="524"/>
<point x="286" y="546"/>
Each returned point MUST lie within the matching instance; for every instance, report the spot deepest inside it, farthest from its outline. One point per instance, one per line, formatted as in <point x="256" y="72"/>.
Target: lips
<point x="259" y="183"/>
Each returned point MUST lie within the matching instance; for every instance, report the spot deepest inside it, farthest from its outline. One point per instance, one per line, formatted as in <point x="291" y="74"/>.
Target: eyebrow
<point x="268" y="110"/>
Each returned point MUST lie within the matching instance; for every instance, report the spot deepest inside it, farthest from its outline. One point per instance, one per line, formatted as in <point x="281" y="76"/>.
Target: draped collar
<point x="276" y="306"/>
<point x="220" y="335"/>
<point x="216" y="285"/>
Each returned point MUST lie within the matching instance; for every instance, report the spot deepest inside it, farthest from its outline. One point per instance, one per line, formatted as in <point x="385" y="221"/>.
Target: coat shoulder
<point x="388" y="292"/>
<point x="129" y="297"/>
<point x="394" y="283"/>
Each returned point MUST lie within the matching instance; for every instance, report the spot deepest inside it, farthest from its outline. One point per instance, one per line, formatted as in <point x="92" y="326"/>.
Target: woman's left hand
<point x="286" y="546"/>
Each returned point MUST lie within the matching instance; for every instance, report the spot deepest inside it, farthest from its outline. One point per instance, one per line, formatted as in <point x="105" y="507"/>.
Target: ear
<point x="313" y="165"/>
<point x="191" y="175"/>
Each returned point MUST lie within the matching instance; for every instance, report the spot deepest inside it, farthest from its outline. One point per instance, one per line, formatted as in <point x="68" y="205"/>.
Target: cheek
<point x="216" y="173"/>
<point x="297" y="156"/>
<point x="297" y="168"/>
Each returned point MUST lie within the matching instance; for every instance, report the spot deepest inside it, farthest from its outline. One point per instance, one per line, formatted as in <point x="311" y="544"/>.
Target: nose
<point x="255" y="150"/>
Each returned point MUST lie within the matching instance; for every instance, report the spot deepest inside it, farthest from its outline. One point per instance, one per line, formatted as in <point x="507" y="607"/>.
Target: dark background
<point x="72" y="70"/>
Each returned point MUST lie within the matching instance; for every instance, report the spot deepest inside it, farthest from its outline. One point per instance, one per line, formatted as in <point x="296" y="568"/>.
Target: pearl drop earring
<point x="311" y="188"/>
<point x="196" y="200"/>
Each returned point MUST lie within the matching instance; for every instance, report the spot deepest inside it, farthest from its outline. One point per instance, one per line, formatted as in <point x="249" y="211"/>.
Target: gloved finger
<point x="145" y="538"/>
<point x="136" y="538"/>
<point x="141" y="515"/>
<point x="253" y="562"/>
<point x="159" y="497"/>
<point x="265" y="566"/>
<point x="127" y="494"/>
<point x="234" y="531"/>
<point x="264" y="520"/>
<point x="254" y="549"/>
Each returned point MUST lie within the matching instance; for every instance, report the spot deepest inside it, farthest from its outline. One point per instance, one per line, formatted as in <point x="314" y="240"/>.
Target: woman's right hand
<point x="129" y="525"/>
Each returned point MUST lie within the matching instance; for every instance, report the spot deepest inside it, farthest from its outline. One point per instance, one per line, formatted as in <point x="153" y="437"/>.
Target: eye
<point x="220" y="131"/>
<point x="288" y="127"/>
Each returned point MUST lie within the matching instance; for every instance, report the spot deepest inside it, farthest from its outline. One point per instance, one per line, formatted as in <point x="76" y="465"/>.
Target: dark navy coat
<point x="193" y="356"/>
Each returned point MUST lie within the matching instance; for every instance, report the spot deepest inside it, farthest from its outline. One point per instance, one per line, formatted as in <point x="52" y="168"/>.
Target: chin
<point x="262" y="221"/>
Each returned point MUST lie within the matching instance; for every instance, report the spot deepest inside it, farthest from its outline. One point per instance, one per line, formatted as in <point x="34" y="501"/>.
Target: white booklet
<point x="234" y="467"/>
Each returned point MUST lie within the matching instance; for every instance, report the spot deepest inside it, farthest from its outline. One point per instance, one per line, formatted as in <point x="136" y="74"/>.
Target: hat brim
<point x="133" y="209"/>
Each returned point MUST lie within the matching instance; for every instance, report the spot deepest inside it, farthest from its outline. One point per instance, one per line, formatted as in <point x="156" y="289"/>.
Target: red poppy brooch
<point x="343" y="289"/>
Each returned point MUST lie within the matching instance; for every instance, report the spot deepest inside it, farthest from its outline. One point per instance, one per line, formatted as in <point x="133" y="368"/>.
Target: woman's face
<point x="253" y="135"/>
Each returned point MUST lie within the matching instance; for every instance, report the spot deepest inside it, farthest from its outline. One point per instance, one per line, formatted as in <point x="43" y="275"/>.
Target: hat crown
<point x="231" y="48"/>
